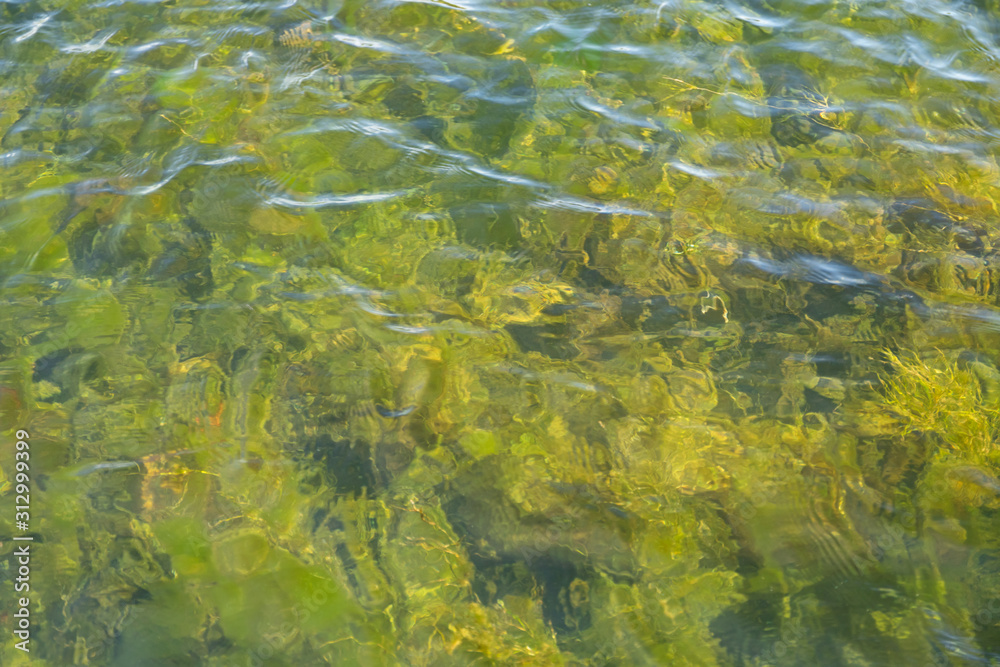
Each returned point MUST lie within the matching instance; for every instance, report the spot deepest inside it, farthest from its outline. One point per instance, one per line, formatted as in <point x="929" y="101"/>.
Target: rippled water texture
<point x="507" y="333"/>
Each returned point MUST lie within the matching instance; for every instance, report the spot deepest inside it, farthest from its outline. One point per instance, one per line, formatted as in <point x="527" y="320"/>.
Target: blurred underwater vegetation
<point x="511" y="333"/>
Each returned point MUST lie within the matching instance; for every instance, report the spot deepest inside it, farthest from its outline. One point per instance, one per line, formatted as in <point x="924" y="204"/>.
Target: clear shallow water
<point x="503" y="333"/>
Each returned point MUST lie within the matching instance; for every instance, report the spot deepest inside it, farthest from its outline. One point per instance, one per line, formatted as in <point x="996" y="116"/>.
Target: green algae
<point x="418" y="334"/>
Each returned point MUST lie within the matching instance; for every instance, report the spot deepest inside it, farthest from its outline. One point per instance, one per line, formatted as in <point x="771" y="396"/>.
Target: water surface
<point x="527" y="333"/>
